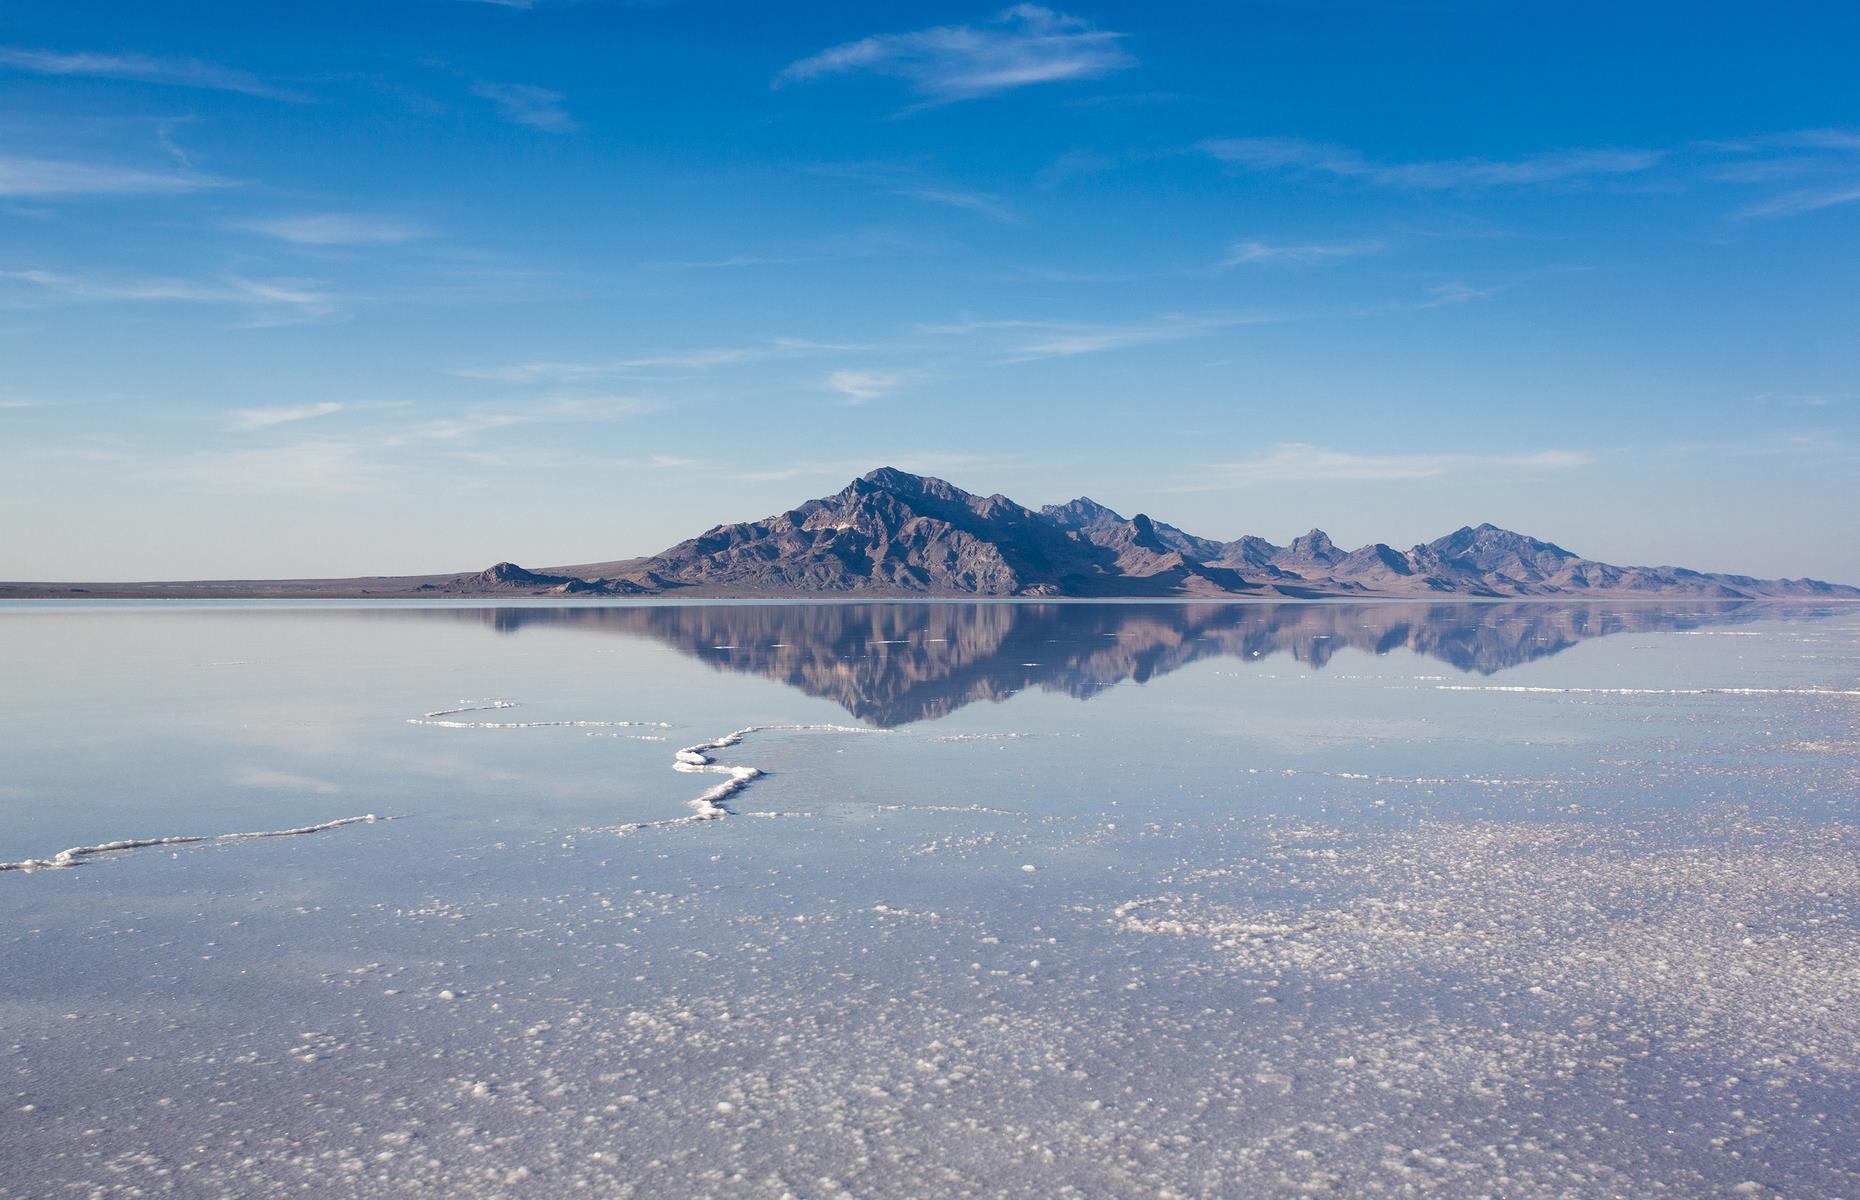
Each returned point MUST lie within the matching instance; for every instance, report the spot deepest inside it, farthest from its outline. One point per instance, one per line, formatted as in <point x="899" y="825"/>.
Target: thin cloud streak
<point x="1299" y="155"/>
<point x="247" y="419"/>
<point x="980" y="202"/>
<point x="1257" y="250"/>
<point x="860" y="386"/>
<point x="383" y="460"/>
<point x="694" y="360"/>
<point x="1805" y="200"/>
<point x="143" y="68"/>
<point x="333" y="229"/>
<point x="46" y="177"/>
<point x="275" y="301"/>
<point x="316" y="466"/>
<point x="1039" y="339"/>
<point x="525" y="104"/>
<point x="289" y="293"/>
<point x="1020" y="46"/>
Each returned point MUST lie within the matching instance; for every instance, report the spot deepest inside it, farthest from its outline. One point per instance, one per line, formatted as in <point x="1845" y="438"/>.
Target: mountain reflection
<point x="892" y="664"/>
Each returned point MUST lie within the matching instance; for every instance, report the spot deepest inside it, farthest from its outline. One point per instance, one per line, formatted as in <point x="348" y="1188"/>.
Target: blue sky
<point x="412" y="285"/>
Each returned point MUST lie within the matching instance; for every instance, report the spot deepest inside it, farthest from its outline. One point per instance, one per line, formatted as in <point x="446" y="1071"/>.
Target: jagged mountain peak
<point x="892" y="479"/>
<point x="1082" y="513"/>
<point x="1489" y="535"/>
<point x="1312" y="547"/>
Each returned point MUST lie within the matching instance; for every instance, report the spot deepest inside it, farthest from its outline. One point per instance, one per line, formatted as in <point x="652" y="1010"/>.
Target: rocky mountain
<point x="890" y="533"/>
<point x="894" y="533"/>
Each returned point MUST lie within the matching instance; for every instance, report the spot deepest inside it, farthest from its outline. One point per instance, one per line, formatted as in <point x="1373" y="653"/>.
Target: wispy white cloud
<point x="1300" y="462"/>
<point x="54" y="177"/>
<point x="1258" y="250"/>
<point x="860" y="386"/>
<point x="1440" y="295"/>
<point x="142" y="68"/>
<point x="1824" y="164"/>
<point x="452" y="429"/>
<point x="690" y="360"/>
<point x="980" y="202"/>
<point x="1023" y="45"/>
<point x="246" y="419"/>
<point x="334" y="229"/>
<point x="524" y="104"/>
<point x="464" y="426"/>
<point x="1557" y="166"/>
<point x="1840" y="140"/>
<point x="387" y="457"/>
<point x="913" y="181"/>
<point x="315" y="466"/>
<point x="272" y="301"/>
<point x="1804" y="200"/>
<point x="1025" y="340"/>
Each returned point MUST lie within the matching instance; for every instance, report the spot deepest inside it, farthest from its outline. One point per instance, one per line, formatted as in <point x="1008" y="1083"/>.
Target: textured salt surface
<point x="1625" y="691"/>
<point x="1462" y="1009"/>
<point x="1239" y="965"/>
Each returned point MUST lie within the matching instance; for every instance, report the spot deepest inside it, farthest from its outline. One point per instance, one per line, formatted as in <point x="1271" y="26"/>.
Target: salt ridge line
<point x="1591" y="691"/>
<point x="696" y="759"/>
<point x="466" y="706"/>
<point x="699" y="759"/>
<point x="77" y="854"/>
<point x="437" y="719"/>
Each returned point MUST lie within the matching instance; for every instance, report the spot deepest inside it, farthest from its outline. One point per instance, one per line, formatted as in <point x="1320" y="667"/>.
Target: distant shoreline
<point x="260" y="591"/>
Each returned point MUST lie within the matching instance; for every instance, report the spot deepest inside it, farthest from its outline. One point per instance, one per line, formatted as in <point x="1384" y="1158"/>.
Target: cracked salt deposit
<point x="699" y="759"/>
<point x="437" y="718"/>
<point x="76" y="855"/>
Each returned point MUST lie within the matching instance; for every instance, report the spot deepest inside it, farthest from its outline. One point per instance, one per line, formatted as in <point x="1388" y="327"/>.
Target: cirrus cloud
<point x="526" y="104"/>
<point x="1023" y="45"/>
<point x="143" y="68"/>
<point x="48" y="177"/>
<point x="333" y="229"/>
<point x="1556" y="166"/>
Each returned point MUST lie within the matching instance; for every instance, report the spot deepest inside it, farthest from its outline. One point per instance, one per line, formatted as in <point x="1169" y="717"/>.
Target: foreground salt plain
<point x="985" y="900"/>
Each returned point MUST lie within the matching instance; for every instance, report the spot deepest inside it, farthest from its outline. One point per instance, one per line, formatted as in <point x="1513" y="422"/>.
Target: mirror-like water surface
<point x="930" y="900"/>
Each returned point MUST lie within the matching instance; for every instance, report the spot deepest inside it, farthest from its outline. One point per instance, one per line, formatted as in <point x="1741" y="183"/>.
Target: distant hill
<point x="892" y="533"/>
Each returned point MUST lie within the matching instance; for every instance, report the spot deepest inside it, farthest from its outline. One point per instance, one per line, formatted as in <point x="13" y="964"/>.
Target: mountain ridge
<point x="891" y="533"/>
